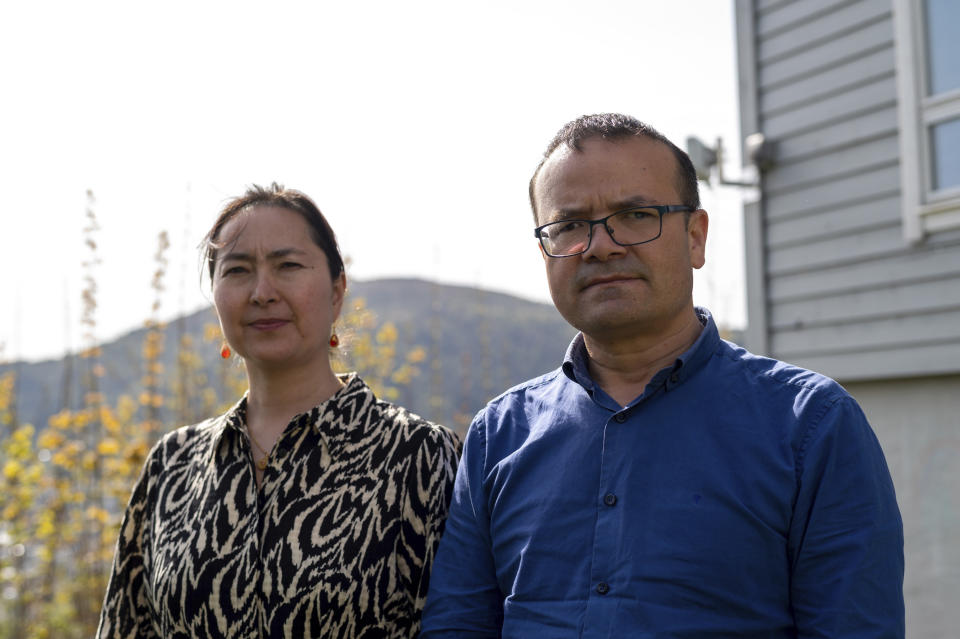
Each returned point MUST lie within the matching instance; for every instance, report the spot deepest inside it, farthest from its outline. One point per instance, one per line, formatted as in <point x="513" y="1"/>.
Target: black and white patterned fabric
<point x="337" y="542"/>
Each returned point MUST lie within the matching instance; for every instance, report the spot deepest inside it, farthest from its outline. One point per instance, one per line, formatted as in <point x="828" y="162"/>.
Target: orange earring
<point x="334" y="341"/>
<point x="225" y="351"/>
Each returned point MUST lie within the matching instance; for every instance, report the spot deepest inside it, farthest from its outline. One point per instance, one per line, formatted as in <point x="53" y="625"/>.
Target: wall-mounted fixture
<point x="759" y="151"/>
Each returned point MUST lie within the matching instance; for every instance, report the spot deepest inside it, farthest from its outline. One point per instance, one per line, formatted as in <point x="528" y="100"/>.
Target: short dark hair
<point x="276" y="195"/>
<point x="614" y="126"/>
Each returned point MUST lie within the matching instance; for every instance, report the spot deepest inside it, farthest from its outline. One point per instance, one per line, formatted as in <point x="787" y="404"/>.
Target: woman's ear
<point x="339" y="293"/>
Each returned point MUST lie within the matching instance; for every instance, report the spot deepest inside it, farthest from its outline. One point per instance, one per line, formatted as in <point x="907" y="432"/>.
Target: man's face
<point x="610" y="291"/>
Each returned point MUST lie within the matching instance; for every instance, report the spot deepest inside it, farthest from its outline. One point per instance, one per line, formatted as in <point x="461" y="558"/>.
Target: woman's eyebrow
<point x="284" y="252"/>
<point x="238" y="256"/>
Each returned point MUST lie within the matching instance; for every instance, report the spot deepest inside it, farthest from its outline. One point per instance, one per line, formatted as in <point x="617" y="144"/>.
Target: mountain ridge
<point x="477" y="343"/>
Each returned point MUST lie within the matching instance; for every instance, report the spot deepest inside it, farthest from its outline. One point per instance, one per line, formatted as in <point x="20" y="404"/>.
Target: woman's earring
<point x="225" y="351"/>
<point x="334" y="341"/>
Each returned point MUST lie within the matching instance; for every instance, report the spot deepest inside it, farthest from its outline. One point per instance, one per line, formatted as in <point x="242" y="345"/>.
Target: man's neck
<point x="624" y="367"/>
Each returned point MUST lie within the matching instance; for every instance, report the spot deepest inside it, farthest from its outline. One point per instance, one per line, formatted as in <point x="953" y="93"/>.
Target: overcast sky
<point x="415" y="126"/>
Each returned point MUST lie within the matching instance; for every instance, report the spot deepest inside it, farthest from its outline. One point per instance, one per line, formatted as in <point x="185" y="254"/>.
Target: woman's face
<point x="272" y="289"/>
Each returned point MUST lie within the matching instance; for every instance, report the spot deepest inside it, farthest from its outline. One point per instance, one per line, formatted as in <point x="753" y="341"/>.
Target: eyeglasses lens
<point x="572" y="237"/>
<point x="635" y="226"/>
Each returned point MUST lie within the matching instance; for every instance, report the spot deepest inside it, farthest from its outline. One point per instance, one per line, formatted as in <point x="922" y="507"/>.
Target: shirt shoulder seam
<point x="811" y="430"/>
<point x="530" y="384"/>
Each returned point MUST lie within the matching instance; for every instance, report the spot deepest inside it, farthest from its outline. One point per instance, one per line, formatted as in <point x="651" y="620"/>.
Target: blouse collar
<point x="336" y="419"/>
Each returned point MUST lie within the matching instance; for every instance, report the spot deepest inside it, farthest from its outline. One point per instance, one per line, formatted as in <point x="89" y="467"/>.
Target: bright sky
<point x="414" y="125"/>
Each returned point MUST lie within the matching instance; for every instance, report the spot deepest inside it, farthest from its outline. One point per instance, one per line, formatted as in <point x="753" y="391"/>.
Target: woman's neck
<point x="276" y="396"/>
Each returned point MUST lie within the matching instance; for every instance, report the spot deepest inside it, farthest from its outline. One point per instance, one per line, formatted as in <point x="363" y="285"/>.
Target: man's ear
<point x="697" y="237"/>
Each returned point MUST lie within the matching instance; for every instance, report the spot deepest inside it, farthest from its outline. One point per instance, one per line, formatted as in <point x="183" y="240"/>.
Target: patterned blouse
<point x="337" y="542"/>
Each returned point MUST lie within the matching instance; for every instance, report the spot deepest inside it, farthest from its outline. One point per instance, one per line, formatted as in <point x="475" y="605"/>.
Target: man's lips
<point x="609" y="279"/>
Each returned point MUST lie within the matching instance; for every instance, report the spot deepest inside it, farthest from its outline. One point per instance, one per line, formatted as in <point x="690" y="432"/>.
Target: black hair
<point x="614" y="126"/>
<point x="290" y="199"/>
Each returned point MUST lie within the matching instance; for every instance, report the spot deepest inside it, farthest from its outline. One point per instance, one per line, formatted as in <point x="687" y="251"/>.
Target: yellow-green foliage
<point x="64" y="484"/>
<point x="372" y="350"/>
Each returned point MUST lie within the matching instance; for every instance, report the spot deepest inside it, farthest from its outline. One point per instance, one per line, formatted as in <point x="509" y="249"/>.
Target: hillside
<point x="478" y="343"/>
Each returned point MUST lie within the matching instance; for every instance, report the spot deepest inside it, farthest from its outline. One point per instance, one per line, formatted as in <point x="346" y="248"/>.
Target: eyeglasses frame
<point x="661" y="209"/>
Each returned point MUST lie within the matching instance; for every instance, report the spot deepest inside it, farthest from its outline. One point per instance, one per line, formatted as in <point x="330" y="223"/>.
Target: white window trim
<point x="924" y="211"/>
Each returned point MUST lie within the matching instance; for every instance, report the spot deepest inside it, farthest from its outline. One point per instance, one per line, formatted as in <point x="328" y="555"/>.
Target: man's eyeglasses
<point x="639" y="225"/>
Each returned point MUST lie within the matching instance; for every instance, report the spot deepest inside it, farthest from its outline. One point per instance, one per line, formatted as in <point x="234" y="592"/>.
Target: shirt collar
<point x="576" y="360"/>
<point x="334" y="419"/>
<point x="576" y="363"/>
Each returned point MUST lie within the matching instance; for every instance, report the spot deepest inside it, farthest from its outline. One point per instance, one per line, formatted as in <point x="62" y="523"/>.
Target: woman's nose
<point x="263" y="291"/>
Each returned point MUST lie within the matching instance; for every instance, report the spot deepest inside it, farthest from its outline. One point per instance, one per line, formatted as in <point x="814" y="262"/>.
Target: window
<point x="942" y="23"/>
<point x="928" y="84"/>
<point x="945" y="155"/>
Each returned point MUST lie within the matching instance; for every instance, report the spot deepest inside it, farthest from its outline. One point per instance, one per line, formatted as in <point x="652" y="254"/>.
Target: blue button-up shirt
<point x="737" y="496"/>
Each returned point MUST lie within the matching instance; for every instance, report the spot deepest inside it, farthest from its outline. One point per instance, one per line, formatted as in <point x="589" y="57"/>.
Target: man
<point x="662" y="482"/>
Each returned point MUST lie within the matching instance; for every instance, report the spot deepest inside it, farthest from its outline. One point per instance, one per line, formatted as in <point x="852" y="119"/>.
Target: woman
<point x="309" y="509"/>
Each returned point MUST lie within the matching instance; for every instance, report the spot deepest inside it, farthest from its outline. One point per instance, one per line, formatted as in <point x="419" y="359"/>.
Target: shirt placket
<point x="254" y="545"/>
<point x="280" y="457"/>
<point x="604" y="584"/>
<point x="256" y="535"/>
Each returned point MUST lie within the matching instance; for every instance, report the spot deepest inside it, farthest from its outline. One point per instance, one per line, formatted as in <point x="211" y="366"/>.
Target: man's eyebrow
<point x="577" y="213"/>
<point x="632" y="203"/>
<point x="569" y="214"/>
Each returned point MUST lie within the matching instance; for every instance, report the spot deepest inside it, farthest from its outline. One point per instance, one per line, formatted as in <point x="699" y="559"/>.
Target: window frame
<point x="925" y="211"/>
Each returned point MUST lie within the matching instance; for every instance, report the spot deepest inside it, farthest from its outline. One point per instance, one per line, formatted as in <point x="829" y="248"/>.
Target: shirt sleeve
<point x="127" y="610"/>
<point x="427" y="492"/>
<point x="465" y="599"/>
<point x="846" y="538"/>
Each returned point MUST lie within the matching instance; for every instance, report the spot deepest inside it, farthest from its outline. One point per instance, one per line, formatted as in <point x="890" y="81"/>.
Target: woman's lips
<point x="268" y="324"/>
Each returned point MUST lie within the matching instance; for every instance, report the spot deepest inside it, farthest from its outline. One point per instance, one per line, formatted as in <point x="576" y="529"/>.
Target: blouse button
<point x="602" y="588"/>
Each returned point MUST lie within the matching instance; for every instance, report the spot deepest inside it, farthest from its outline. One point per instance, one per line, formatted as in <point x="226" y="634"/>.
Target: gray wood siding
<point x="899" y="266"/>
<point x="832" y="282"/>
<point x="825" y="224"/>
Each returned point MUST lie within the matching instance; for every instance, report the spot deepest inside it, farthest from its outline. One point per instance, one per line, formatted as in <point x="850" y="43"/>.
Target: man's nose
<point x="602" y="247"/>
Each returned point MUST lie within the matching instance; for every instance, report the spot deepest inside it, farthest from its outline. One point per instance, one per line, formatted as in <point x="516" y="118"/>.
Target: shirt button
<point x="620" y="418"/>
<point x="674" y="378"/>
<point x="602" y="588"/>
<point x="610" y="499"/>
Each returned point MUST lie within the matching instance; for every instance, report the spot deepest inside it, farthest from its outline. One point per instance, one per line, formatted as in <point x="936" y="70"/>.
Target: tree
<point x="64" y="486"/>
